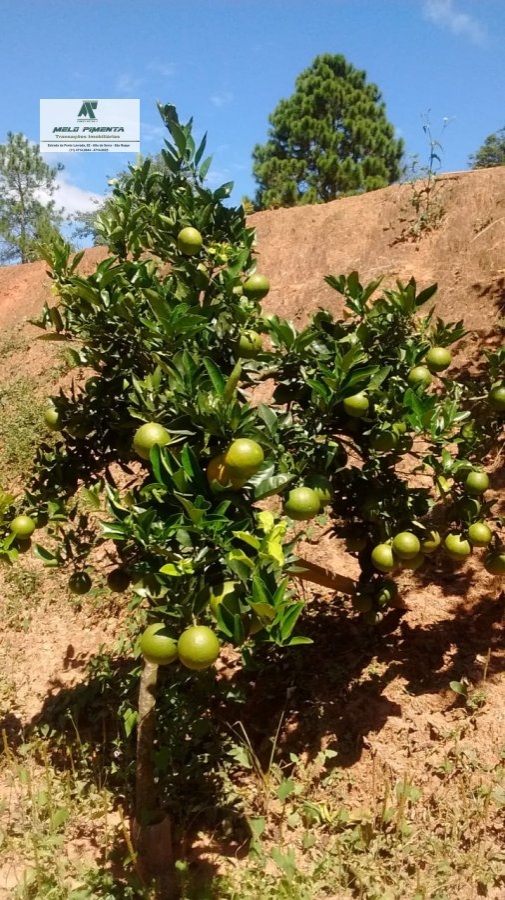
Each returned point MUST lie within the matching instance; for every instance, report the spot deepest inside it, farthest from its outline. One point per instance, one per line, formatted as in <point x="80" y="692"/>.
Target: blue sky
<point x="227" y="63"/>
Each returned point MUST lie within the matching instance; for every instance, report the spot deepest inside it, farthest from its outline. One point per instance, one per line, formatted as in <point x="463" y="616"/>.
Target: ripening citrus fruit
<point x="362" y="602"/>
<point x="476" y="483"/>
<point x="225" y="594"/>
<point x="383" y="441"/>
<point x="357" y="406"/>
<point x="373" y="617"/>
<point x="23" y="526"/>
<point x="457" y="546"/>
<point x="248" y="345"/>
<point x="79" y="430"/>
<point x="220" y="478"/>
<point x="356" y="540"/>
<point x="406" y="545"/>
<point x="243" y="458"/>
<point x="256" y="286"/>
<point x="383" y="558"/>
<point x="321" y="485"/>
<point x="118" y="580"/>
<point x="52" y="418"/>
<point x="147" y="436"/>
<point x="157" y="646"/>
<point x="479" y="534"/>
<point x="79" y="583"/>
<point x="189" y="241"/>
<point x="302" y="504"/>
<point x="388" y="592"/>
<point x="431" y="542"/>
<point x="419" y="376"/>
<point x="496" y="398"/>
<point x="414" y="563"/>
<point x="495" y="563"/>
<point x="198" y="647"/>
<point x="438" y="358"/>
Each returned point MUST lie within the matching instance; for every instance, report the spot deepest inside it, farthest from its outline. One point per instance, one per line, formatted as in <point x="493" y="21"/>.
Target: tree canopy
<point x="27" y="212"/>
<point x="331" y="138"/>
<point x="492" y="152"/>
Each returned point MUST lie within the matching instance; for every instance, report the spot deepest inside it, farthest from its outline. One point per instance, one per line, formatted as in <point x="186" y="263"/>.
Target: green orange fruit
<point x="198" y="647"/>
<point x="157" y="646"/>
<point x="476" y="483"/>
<point x="414" y="563"/>
<point x="147" y="436"/>
<point x="457" y="546"/>
<point x="406" y="545"/>
<point x="256" y="287"/>
<point x="419" y="376"/>
<point x="248" y="345"/>
<point x="357" y="405"/>
<point x="438" y="358"/>
<point x="495" y="563"/>
<point x="79" y="583"/>
<point x="383" y="441"/>
<point x="23" y="526"/>
<point x="383" y="558"/>
<point x="479" y="534"/>
<point x="118" y="580"/>
<point x="189" y="241"/>
<point x="431" y="541"/>
<point x="496" y="398"/>
<point x="302" y="504"/>
<point x="243" y="458"/>
<point x="52" y="418"/>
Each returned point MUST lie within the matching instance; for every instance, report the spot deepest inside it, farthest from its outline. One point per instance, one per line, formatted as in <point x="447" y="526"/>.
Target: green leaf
<point x="47" y="556"/>
<point x="248" y="538"/>
<point x="285" y="789"/>
<point x="427" y="294"/>
<point x="215" y="375"/>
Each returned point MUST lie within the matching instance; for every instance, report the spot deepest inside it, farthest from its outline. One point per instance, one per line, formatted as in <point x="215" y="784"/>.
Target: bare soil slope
<point x="396" y="709"/>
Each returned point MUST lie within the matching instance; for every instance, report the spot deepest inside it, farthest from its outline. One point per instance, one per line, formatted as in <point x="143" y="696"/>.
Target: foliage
<point x="491" y="153"/>
<point x="157" y="328"/>
<point x="25" y="218"/>
<point x="329" y="139"/>
<point x="160" y="328"/>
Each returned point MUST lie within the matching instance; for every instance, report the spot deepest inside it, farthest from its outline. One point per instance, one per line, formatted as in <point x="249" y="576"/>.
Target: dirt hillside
<point x="392" y="713"/>
<point x="464" y="253"/>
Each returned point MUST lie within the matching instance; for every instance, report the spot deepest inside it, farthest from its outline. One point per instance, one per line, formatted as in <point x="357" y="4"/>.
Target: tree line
<point x="331" y="138"/>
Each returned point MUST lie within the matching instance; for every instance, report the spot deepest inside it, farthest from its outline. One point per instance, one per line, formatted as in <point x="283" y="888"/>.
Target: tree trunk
<point x="151" y="828"/>
<point x="309" y="571"/>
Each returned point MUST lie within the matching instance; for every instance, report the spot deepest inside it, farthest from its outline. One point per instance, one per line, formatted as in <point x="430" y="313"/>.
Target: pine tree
<point x="331" y="138"/>
<point x="27" y="212"/>
<point x="492" y="152"/>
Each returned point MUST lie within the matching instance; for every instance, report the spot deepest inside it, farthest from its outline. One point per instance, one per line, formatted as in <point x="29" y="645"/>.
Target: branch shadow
<point x="329" y="698"/>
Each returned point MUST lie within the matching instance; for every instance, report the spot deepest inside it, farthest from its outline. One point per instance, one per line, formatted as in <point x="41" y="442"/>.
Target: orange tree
<point x="163" y="439"/>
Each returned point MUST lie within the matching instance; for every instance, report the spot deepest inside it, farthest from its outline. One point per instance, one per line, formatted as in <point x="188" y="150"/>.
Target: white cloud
<point x="73" y="199"/>
<point x="128" y="83"/>
<point x="221" y="99"/>
<point x="445" y="14"/>
<point x="150" y="133"/>
<point x="165" y="69"/>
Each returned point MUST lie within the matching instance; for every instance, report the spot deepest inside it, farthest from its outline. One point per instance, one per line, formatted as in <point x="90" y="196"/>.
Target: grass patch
<point x="16" y="602"/>
<point x="21" y="427"/>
